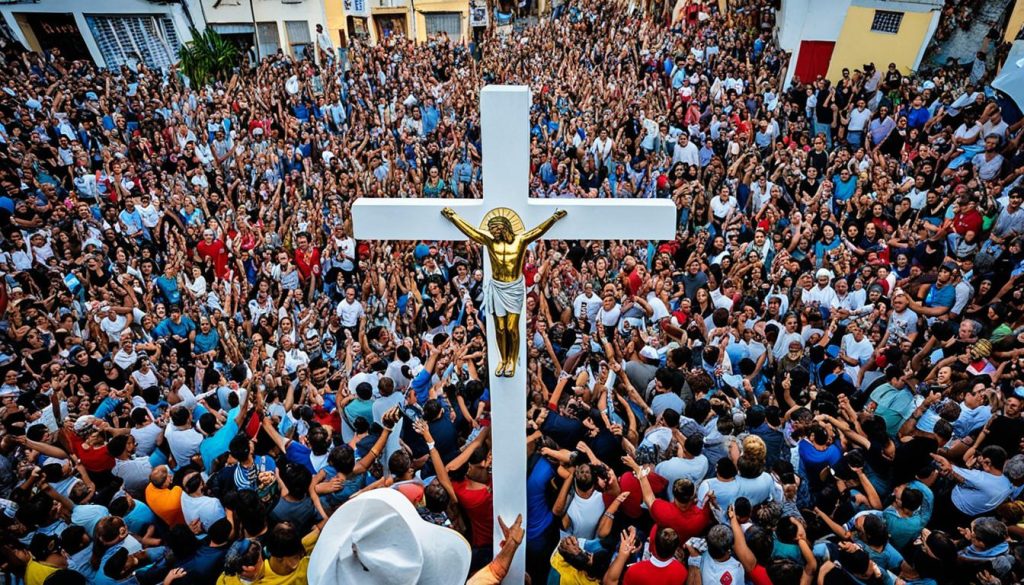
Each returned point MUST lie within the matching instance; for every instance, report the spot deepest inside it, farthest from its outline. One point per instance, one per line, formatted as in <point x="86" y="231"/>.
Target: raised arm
<point x="543" y="227"/>
<point x="478" y="236"/>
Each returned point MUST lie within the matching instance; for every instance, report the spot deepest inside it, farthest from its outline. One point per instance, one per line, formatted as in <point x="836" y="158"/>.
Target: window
<point x="887" y="22"/>
<point x="123" y="40"/>
<point x="446" y="22"/>
<point x="298" y="37"/>
<point x="269" y="40"/>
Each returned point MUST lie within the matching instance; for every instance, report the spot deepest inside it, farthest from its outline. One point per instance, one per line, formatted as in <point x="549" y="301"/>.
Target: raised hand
<point x="514" y="533"/>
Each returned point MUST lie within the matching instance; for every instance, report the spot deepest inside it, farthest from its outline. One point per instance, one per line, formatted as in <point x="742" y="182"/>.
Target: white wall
<point x="101" y="7"/>
<point x="242" y="11"/>
<point x="808" y="20"/>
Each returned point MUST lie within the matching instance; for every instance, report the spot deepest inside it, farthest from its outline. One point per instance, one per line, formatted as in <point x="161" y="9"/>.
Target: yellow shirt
<point x="569" y="575"/>
<point x="296" y="577"/>
<point x="36" y="572"/>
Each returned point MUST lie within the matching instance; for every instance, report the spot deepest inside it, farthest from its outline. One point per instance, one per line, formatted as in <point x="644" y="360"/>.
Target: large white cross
<point x="505" y="121"/>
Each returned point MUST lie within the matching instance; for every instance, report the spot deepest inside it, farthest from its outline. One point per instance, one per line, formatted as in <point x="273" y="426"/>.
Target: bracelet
<point x="693" y="561"/>
<point x="430" y="446"/>
<point x="609" y="516"/>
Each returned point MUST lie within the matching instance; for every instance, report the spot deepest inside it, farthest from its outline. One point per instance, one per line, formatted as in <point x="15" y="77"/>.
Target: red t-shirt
<point x="218" y="253"/>
<point x="965" y="222"/>
<point x="479" y="508"/>
<point x="308" y="262"/>
<point x="687" y="523"/>
<point x="94" y="459"/>
<point x="632" y="507"/>
<point x="759" y="576"/>
<point x="648" y="573"/>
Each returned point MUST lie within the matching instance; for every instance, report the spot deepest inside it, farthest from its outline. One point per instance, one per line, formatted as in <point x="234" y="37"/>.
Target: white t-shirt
<point x="593" y="303"/>
<point x="712" y="571"/>
<point x="687" y="154"/>
<point x="350" y="312"/>
<point x="114" y="327"/>
<point x="208" y="510"/>
<point x="859" y="120"/>
<point x="145" y="380"/>
<point x="860" y="350"/>
<point x="184" y="443"/>
<point x="145" y="438"/>
<point x="722" y="209"/>
<point x="610" y="317"/>
<point x="658" y="308"/>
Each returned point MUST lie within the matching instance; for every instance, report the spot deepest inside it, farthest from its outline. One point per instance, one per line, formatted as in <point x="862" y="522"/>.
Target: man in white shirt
<point x="350" y="310"/>
<point x="717" y="565"/>
<point x="294" y="358"/>
<point x="149" y="212"/>
<point x="586" y="304"/>
<point x="324" y="45"/>
<point x="855" y="350"/>
<point x="859" y="118"/>
<point x="902" y="321"/>
<point x="114" y="323"/>
<point x="196" y="506"/>
<point x="686" y="151"/>
<point x="181" y="437"/>
<point x="822" y="293"/>
<point x="690" y="464"/>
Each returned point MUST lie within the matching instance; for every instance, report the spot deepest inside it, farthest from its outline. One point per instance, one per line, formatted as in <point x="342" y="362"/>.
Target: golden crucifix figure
<point x="503" y="234"/>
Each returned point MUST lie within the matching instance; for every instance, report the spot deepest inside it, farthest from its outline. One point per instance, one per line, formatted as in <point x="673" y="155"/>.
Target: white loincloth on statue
<point x="502" y="298"/>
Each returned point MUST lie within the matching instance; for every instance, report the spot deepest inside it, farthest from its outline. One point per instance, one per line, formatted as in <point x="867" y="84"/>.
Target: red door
<point x="814" y="59"/>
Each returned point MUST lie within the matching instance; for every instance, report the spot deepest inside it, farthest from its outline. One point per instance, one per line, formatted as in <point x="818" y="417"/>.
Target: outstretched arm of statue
<point x="478" y="236"/>
<point x="544" y="226"/>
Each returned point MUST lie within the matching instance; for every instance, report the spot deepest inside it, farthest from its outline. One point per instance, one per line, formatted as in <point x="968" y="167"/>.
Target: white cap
<point x="84" y="422"/>
<point x="824" y="273"/>
<point x="378" y="537"/>
<point x="649" y="353"/>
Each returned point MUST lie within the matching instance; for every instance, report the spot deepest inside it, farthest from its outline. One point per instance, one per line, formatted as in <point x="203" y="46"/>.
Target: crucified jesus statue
<point x="503" y="235"/>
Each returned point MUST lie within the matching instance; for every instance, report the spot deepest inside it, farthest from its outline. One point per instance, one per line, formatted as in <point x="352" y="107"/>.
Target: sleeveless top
<point x="584" y="515"/>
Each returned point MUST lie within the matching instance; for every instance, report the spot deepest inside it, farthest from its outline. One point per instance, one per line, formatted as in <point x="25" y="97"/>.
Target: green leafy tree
<point x="208" y="57"/>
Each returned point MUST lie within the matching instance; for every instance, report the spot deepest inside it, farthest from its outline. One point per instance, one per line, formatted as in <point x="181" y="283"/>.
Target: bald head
<point x="159" y="476"/>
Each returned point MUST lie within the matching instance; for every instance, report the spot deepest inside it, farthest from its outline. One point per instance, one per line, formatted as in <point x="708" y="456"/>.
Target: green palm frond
<point x="208" y="57"/>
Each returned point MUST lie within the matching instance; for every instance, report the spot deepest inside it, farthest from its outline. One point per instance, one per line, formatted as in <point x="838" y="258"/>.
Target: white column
<point x="505" y="116"/>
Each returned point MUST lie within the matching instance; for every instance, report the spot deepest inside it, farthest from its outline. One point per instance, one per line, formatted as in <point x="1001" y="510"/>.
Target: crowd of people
<point x="818" y="381"/>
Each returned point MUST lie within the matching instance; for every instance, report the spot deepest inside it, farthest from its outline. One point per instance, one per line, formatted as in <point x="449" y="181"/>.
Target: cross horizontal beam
<point x="587" y="219"/>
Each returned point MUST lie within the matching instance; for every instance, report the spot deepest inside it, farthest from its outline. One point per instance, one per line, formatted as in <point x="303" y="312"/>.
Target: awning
<point x="1010" y="80"/>
<point x="234" y="28"/>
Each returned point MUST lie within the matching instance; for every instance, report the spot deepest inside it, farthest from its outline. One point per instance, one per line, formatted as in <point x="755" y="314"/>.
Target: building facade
<point x="111" y="33"/>
<point x="824" y="37"/>
<point x="376" y="20"/>
<point x="268" y="25"/>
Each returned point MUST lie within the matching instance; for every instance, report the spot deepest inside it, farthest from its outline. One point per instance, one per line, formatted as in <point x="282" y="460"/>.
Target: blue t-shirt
<point x="813" y="460"/>
<point x="169" y="289"/>
<point x="303" y="455"/>
<point x="139" y="518"/>
<point x="205" y="342"/>
<point x="421" y="385"/>
<point x="940" y="296"/>
<point x="214" y="445"/>
<point x="538" y="512"/>
<point x="168" y="327"/>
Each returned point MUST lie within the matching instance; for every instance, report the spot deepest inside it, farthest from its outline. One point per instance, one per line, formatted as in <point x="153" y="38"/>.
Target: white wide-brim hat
<point x="379" y="538"/>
